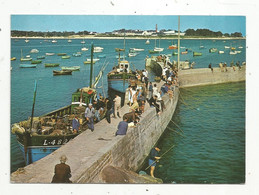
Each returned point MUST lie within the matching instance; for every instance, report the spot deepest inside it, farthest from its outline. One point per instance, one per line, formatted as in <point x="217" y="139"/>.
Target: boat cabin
<point x="83" y="97"/>
<point x="123" y="66"/>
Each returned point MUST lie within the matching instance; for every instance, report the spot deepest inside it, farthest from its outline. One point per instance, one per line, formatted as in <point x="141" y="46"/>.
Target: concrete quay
<point x="204" y="76"/>
<point x="90" y="152"/>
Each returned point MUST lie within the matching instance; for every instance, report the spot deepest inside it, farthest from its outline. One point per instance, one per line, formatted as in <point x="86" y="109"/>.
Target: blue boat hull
<point x="118" y="84"/>
<point x="35" y="153"/>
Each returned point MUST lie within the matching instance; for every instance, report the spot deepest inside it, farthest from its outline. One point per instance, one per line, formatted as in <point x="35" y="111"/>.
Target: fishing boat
<point x="197" y="53"/>
<point x="173" y="46"/>
<point x="51" y="64"/>
<point x="62" y="72"/>
<point x="36" y="61"/>
<point x="27" y="66"/>
<point x="39" y="136"/>
<point x="77" y="54"/>
<point x="40" y="57"/>
<point x="147" y="42"/>
<point x="61" y="54"/>
<point x="34" y="51"/>
<point x="213" y="50"/>
<point x="13" y="58"/>
<point x="119" y="77"/>
<point x="73" y="68"/>
<point x="65" y="57"/>
<point x="221" y="52"/>
<point x="22" y="59"/>
<point x="50" y="54"/>
<point x="98" y="49"/>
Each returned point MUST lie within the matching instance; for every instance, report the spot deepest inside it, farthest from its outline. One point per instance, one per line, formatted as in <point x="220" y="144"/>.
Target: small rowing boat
<point x="197" y="53"/>
<point x="51" y="64"/>
<point x="36" y="61"/>
<point x="27" y="66"/>
<point x="62" y="72"/>
<point x="72" y="68"/>
<point x="41" y="57"/>
<point x="65" y="57"/>
<point x="13" y="58"/>
<point x="50" y="54"/>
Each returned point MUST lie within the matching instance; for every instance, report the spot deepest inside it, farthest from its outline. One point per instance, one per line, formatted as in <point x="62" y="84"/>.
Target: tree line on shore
<point x="188" y="33"/>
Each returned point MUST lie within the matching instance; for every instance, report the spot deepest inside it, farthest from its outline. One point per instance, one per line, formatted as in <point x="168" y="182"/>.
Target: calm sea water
<point x="211" y="145"/>
<point x="55" y="92"/>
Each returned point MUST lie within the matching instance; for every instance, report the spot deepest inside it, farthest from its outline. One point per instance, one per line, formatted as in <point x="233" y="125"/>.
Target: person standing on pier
<point x="108" y="104"/>
<point x="210" y="66"/>
<point x="75" y="125"/>
<point x="89" y="116"/>
<point x="150" y="90"/>
<point x="62" y="172"/>
<point x="152" y="102"/>
<point x="153" y="159"/>
<point x="117" y="106"/>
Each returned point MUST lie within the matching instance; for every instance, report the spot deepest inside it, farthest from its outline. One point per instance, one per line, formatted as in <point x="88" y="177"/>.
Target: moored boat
<point x="77" y="54"/>
<point x="197" y="53"/>
<point x="221" y="52"/>
<point x="226" y="47"/>
<point x="152" y="51"/>
<point x="119" y="49"/>
<point x="50" y="54"/>
<point x="72" y="68"/>
<point x="65" y="57"/>
<point x="101" y="56"/>
<point x="213" y="50"/>
<point x="25" y="59"/>
<point x="62" y="72"/>
<point x="54" y="41"/>
<point x="98" y="49"/>
<point x="94" y="60"/>
<point x="119" y="77"/>
<point x="89" y="62"/>
<point x="175" y="53"/>
<point x="233" y="52"/>
<point x="184" y="52"/>
<point x="132" y="54"/>
<point x="147" y="42"/>
<point x="36" y="61"/>
<point x="136" y="49"/>
<point x="34" y="51"/>
<point x="51" y="64"/>
<point x="27" y="66"/>
<point x="159" y="49"/>
<point x="40" y="57"/>
<point x="84" y="49"/>
<point x="13" y="58"/>
<point x="69" y="41"/>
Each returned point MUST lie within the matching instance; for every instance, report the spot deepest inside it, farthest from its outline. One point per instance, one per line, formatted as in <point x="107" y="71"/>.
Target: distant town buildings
<point x="121" y="32"/>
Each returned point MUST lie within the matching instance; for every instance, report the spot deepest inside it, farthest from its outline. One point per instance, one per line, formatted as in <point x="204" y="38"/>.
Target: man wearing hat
<point x="62" y="172"/>
<point x="89" y="116"/>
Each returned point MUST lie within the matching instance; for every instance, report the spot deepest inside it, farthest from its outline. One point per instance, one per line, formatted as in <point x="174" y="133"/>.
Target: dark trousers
<point x="108" y="115"/>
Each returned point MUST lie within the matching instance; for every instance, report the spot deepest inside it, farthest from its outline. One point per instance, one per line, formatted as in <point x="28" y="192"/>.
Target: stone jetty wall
<point x="90" y="152"/>
<point x="204" y="76"/>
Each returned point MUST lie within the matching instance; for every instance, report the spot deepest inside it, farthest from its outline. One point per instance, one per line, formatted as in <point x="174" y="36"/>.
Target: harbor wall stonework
<point x="90" y="152"/>
<point x="204" y="76"/>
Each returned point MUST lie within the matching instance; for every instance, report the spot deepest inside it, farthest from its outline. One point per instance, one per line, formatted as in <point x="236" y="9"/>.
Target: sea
<point x="209" y="137"/>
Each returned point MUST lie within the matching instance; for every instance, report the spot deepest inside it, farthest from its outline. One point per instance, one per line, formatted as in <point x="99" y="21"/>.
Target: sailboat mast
<point x="91" y="68"/>
<point x="178" y="56"/>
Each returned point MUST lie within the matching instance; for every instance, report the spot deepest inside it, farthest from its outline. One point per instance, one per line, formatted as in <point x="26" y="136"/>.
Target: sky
<point x="109" y="23"/>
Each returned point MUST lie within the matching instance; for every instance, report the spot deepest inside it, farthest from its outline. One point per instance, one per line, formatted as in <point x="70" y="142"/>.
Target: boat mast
<point x="124" y="47"/>
<point x="91" y="68"/>
<point x="178" y="56"/>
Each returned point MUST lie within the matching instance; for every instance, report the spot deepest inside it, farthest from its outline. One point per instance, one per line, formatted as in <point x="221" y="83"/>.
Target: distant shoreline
<point x="144" y="38"/>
